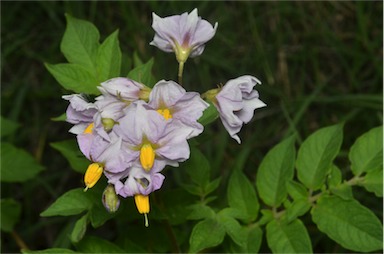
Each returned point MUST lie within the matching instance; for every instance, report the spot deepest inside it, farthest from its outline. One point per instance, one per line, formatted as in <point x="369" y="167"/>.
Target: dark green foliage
<point x="320" y="64"/>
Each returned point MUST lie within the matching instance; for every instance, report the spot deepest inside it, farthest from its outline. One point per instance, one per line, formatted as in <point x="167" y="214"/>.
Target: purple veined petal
<point x="188" y="26"/>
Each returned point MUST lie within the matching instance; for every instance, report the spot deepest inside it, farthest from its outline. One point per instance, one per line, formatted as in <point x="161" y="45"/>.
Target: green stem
<point x="180" y="73"/>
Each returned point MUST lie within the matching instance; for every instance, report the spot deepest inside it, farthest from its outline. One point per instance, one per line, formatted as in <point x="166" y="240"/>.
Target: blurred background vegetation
<point x="320" y="63"/>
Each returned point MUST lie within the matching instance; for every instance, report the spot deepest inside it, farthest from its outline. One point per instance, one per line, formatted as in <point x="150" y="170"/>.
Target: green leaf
<point x="233" y="228"/>
<point x="350" y="224"/>
<point x="275" y="170"/>
<point x="210" y="114"/>
<point x="335" y="176"/>
<point x="143" y="74"/>
<point x="296" y="190"/>
<point x="316" y="155"/>
<point x="92" y="244"/>
<point x="200" y="211"/>
<point x="80" y="43"/>
<point x="70" y="203"/>
<point x="255" y="237"/>
<point x="242" y="196"/>
<point x="373" y="182"/>
<point x="211" y="186"/>
<point x="60" y="118"/>
<point x="205" y="234"/>
<point x="288" y="238"/>
<point x="10" y="214"/>
<point x="70" y="150"/>
<point x="267" y="216"/>
<point x="344" y="191"/>
<point x="366" y="153"/>
<point x="53" y="250"/>
<point x="17" y="165"/>
<point x="74" y="77"/>
<point x="7" y="126"/>
<point x="298" y="208"/>
<point x="198" y="168"/>
<point x="79" y="229"/>
<point x="109" y="58"/>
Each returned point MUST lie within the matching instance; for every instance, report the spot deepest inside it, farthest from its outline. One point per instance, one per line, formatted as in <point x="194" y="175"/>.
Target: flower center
<point x="92" y="175"/>
<point x="89" y="129"/>
<point x="165" y="112"/>
<point x="147" y="156"/>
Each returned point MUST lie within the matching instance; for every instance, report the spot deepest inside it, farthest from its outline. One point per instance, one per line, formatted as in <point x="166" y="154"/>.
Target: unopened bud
<point x="108" y="124"/>
<point x="110" y="199"/>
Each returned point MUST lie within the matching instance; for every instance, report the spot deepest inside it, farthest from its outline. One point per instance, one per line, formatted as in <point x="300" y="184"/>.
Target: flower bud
<point x="108" y="124"/>
<point x="92" y="175"/>
<point x="110" y="200"/>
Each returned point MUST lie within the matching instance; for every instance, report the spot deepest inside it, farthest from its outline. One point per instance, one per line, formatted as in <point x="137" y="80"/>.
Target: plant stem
<point x="180" y="73"/>
<point x="19" y="241"/>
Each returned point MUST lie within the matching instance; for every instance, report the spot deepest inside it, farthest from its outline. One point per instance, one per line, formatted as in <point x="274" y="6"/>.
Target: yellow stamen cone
<point x="147" y="157"/>
<point x="142" y="204"/>
<point x="89" y="129"/>
<point x="165" y="112"/>
<point x="92" y="175"/>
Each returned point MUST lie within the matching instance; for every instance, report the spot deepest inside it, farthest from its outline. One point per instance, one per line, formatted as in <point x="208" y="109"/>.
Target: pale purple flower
<point x="123" y="89"/>
<point x="236" y="103"/>
<point x="184" y="34"/>
<point x="136" y="180"/>
<point x="108" y="153"/>
<point x="142" y="128"/>
<point x="80" y="112"/>
<point x="174" y="103"/>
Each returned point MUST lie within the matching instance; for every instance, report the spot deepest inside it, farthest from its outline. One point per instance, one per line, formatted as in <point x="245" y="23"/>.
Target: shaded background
<point x="320" y="63"/>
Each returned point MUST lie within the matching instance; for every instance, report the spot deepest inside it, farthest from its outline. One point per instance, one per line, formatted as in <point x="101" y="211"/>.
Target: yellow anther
<point x="165" y="112"/>
<point x="147" y="157"/>
<point x="89" y="129"/>
<point x="92" y="175"/>
<point x="142" y="204"/>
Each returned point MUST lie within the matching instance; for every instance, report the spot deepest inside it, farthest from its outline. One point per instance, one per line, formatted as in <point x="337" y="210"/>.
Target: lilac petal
<point x="79" y="128"/>
<point x="247" y="112"/>
<point x="85" y="143"/>
<point x="79" y="110"/>
<point x="122" y="87"/>
<point x="176" y="148"/>
<point x="165" y="94"/>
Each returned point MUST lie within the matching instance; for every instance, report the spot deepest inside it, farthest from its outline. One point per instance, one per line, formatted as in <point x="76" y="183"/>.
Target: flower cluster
<point x="131" y="132"/>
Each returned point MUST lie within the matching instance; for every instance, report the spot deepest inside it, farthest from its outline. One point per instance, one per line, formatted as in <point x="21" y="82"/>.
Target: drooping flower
<point x="103" y="154"/>
<point x="174" y="103"/>
<point x="184" y="34"/>
<point x="138" y="183"/>
<point x="80" y="112"/>
<point x="236" y="102"/>
<point x="150" y="139"/>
